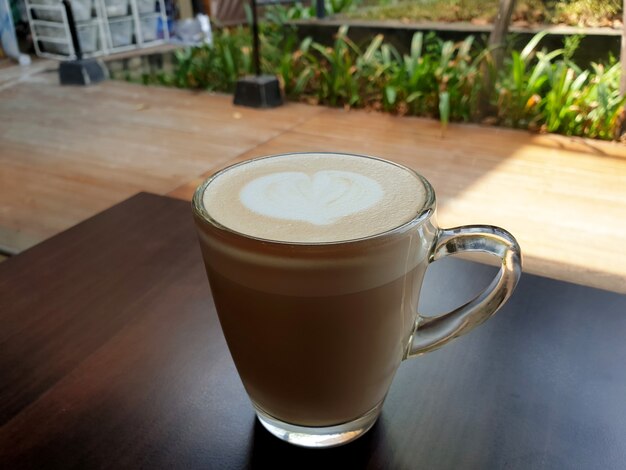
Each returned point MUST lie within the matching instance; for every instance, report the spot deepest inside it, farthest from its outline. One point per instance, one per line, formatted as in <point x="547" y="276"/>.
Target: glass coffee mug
<point x="316" y="262"/>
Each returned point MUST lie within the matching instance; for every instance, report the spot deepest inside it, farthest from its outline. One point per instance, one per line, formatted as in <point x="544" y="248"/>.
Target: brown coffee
<point x="318" y="315"/>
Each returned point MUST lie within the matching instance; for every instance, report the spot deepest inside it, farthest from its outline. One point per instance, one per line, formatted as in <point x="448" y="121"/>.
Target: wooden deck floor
<point x="67" y="153"/>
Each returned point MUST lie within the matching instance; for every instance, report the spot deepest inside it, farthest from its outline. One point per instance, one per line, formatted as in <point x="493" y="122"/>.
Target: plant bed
<point x="598" y="20"/>
<point x="539" y="90"/>
<point x="597" y="44"/>
<point x="527" y="13"/>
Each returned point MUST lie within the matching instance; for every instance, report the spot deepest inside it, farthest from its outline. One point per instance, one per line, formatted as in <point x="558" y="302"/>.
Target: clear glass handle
<point x="433" y="332"/>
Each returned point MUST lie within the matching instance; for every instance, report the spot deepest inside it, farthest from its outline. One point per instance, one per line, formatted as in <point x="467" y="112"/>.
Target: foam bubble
<point x="320" y="199"/>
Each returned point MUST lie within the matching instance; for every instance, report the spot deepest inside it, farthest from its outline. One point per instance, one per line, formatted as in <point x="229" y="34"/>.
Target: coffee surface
<point x="314" y="197"/>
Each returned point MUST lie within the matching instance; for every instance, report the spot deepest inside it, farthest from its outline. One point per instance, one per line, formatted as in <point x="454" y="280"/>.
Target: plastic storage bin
<point x="146" y="6"/>
<point x="121" y="31"/>
<point x="87" y="35"/>
<point x="80" y="8"/>
<point x="148" y="25"/>
<point x="116" y="7"/>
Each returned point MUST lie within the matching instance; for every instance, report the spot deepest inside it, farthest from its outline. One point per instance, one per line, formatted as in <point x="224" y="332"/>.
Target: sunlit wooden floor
<point x="67" y="153"/>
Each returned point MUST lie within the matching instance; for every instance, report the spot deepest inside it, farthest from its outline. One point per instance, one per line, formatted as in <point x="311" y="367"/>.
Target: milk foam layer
<point x="314" y="197"/>
<point x="321" y="199"/>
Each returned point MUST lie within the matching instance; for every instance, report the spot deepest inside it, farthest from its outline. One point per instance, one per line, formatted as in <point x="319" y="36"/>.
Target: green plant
<point x="587" y="12"/>
<point x="434" y="78"/>
<point x="458" y="77"/>
<point x="585" y="102"/>
<point x="571" y="45"/>
<point x="335" y="78"/>
<point x="289" y="60"/>
<point x="604" y="110"/>
<point x="415" y="79"/>
<point x="376" y="68"/>
<point x="449" y="10"/>
<point x="571" y="12"/>
<point x="281" y="14"/>
<point x="535" y="89"/>
<point x="545" y="90"/>
<point x="558" y="106"/>
<point x="215" y="67"/>
<point x="521" y="84"/>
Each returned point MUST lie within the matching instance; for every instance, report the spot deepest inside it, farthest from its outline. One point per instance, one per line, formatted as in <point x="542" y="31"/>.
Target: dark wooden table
<point x="111" y="356"/>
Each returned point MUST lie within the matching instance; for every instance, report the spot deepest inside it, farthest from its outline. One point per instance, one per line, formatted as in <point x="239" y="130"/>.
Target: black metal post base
<point x="261" y="91"/>
<point x="82" y="72"/>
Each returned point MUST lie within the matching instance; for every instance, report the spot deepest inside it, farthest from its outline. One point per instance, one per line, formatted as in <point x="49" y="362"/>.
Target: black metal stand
<point x="320" y="9"/>
<point x="257" y="91"/>
<point x="80" y="71"/>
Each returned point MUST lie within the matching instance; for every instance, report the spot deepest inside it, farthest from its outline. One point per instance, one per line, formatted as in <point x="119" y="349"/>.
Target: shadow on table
<point x="270" y="452"/>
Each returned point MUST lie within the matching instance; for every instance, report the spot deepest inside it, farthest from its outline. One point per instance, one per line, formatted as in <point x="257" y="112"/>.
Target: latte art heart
<point x="320" y="199"/>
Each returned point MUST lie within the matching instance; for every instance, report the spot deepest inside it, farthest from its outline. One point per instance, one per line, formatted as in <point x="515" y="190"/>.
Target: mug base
<point x="319" y="437"/>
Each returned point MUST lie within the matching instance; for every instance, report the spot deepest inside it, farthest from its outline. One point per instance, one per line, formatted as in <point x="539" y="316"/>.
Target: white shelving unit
<point x="103" y="26"/>
<point x="51" y="33"/>
<point x="132" y="24"/>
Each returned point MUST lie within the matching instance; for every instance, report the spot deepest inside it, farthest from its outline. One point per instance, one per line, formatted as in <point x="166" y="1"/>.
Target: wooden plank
<point x="12" y="73"/>
<point x="565" y="206"/>
<point x="69" y="152"/>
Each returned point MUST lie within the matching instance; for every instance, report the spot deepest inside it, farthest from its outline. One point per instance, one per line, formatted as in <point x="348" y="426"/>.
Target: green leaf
<point x="323" y="51"/>
<point x="413" y="96"/>
<point x="580" y="81"/>
<point x="603" y="97"/>
<point x="530" y="47"/>
<point x="444" y="107"/>
<point x="386" y="53"/>
<point x="306" y="44"/>
<point x="183" y="54"/>
<point x="466" y="46"/>
<point x="390" y="95"/>
<point x="542" y="68"/>
<point x="518" y="71"/>
<point x="416" y="45"/>
<point x="373" y="47"/>
<point x="446" y="54"/>
<point x="229" y="63"/>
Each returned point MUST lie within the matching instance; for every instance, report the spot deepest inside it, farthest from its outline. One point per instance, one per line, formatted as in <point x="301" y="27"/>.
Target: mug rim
<point x="424" y="213"/>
